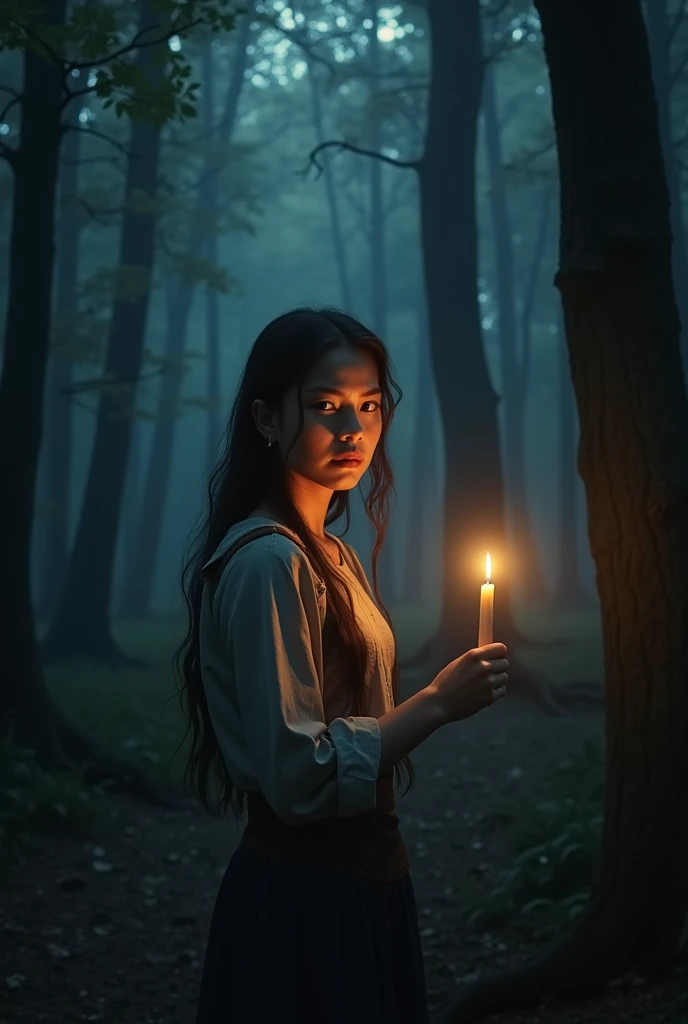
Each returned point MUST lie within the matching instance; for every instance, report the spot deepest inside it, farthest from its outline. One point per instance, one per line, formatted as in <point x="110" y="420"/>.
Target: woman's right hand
<point x="472" y="682"/>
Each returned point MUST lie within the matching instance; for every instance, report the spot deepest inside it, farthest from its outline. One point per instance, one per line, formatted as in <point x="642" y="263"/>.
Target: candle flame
<point x="488" y="567"/>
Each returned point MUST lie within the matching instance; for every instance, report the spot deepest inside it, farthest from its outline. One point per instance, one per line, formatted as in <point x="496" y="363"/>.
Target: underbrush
<point x="36" y="804"/>
<point x="552" y="842"/>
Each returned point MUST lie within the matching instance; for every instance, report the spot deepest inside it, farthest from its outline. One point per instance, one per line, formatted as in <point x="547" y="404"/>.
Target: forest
<point x="498" y="189"/>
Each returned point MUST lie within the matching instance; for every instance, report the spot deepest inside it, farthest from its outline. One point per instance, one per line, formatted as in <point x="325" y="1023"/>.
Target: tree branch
<point x="9" y="155"/>
<point x="95" y="214"/>
<point x="15" y="97"/>
<point x="134" y="44"/>
<point x="351" y="148"/>
<point x="99" y="135"/>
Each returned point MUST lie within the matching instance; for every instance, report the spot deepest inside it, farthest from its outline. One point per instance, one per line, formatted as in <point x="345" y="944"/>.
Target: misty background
<point x="269" y="245"/>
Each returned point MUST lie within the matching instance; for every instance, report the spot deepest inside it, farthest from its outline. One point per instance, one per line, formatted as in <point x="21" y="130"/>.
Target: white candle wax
<point x="486" y="622"/>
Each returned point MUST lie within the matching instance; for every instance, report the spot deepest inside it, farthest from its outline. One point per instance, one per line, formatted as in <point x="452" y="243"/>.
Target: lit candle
<point x="486" y="626"/>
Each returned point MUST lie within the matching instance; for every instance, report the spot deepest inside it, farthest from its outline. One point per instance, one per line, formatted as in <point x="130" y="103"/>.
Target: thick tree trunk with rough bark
<point x="622" y="331"/>
<point x="569" y="591"/>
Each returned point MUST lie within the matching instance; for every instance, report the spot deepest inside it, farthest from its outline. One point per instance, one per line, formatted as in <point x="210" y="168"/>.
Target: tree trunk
<point x="23" y="693"/>
<point x="331" y="194"/>
<point x="140" y="577"/>
<point x="474" y="519"/>
<point x="622" y="330"/>
<point x="420" y="547"/>
<point x="378" y="267"/>
<point x="129" y="520"/>
<point x="524" y="558"/>
<point x="212" y="299"/>
<point x="474" y="495"/>
<point x="569" y="591"/>
<point x="81" y="627"/>
<point x="27" y="711"/>
<point x="57" y="453"/>
<point x="657" y="19"/>
<point x="138" y="589"/>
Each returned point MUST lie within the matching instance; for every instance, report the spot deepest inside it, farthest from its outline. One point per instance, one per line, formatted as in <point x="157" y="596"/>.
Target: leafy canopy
<point x="103" y="50"/>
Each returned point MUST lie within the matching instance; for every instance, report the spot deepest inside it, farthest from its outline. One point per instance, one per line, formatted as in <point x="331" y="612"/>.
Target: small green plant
<point x="36" y="801"/>
<point x="553" y="842"/>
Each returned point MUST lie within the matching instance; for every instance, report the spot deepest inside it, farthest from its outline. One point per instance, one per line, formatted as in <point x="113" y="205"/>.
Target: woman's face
<point x="341" y="412"/>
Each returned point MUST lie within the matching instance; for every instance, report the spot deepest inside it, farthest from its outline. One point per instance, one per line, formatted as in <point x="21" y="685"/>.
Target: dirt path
<point x="114" y="929"/>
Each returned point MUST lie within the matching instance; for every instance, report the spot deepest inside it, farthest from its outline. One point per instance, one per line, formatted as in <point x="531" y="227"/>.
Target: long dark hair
<point x="249" y="473"/>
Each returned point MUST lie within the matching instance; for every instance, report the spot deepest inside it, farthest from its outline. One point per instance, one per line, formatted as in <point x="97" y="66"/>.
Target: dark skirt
<point x="296" y="941"/>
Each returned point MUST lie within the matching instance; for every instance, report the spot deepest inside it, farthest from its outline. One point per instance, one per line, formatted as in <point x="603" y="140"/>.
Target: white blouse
<point x="275" y="690"/>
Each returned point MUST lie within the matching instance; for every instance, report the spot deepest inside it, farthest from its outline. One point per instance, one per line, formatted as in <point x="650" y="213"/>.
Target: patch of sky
<point x="299" y="70"/>
<point x="174" y="43"/>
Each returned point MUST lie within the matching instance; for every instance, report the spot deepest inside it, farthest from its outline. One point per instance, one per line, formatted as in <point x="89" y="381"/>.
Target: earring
<point x="269" y="442"/>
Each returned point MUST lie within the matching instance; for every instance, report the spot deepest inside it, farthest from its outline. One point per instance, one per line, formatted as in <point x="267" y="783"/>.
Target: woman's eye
<point x="326" y="401"/>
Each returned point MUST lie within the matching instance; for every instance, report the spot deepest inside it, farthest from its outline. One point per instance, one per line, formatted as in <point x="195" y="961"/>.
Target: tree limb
<point x="8" y="154"/>
<point x="15" y="97"/>
<point x="351" y="148"/>
<point x="134" y="44"/>
<point x="120" y="147"/>
<point x="94" y="214"/>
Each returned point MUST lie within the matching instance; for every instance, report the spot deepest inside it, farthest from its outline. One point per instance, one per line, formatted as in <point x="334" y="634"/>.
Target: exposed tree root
<point x="579" y="967"/>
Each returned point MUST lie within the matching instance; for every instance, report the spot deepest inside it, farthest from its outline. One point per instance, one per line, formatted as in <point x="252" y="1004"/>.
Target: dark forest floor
<point x="113" y="929"/>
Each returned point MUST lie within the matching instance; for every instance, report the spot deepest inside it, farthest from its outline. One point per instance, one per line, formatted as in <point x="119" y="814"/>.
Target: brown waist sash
<point x="369" y="844"/>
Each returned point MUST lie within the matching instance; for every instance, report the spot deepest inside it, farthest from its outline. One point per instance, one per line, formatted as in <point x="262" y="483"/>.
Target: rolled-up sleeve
<point x="266" y="611"/>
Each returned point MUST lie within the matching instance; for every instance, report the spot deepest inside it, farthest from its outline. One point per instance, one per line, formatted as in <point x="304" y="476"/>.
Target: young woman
<point x="289" y="678"/>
